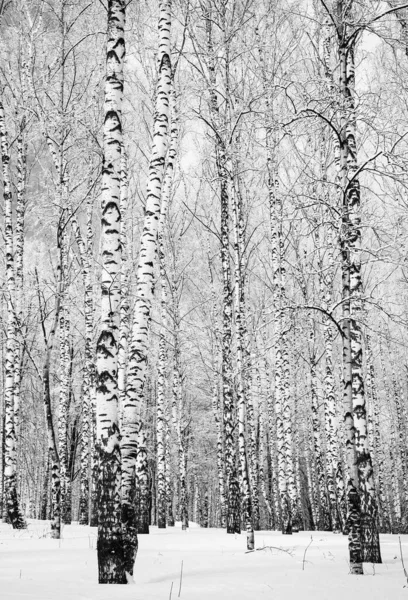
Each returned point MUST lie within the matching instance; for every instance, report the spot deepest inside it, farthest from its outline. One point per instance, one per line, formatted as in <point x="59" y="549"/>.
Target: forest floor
<point x="215" y="566"/>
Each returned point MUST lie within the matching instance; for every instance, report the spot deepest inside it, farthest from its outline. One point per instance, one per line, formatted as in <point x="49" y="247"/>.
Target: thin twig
<point x="402" y="561"/>
<point x="304" y="555"/>
<point x="171" y="588"/>
<point x="181" y="578"/>
<point x="272" y="548"/>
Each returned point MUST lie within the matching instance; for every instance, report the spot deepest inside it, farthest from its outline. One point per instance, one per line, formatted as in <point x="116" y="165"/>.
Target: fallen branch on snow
<point x="290" y="552"/>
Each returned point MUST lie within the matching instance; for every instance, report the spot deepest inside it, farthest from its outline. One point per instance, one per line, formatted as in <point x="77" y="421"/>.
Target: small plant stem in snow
<point x="304" y="555"/>
<point x="402" y="561"/>
<point x="171" y="589"/>
<point x="181" y="578"/>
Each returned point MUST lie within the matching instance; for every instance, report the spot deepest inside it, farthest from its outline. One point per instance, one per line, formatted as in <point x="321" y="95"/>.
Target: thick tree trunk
<point x="124" y="309"/>
<point x="112" y="562"/>
<point x="362" y="517"/>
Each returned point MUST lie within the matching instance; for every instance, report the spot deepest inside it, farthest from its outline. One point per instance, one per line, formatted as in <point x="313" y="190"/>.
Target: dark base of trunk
<point x="14" y="515"/>
<point x="67" y="506"/>
<point x="287" y="522"/>
<point x="370" y="541"/>
<point x="356" y="569"/>
<point x="93" y="519"/>
<point x="56" y="525"/>
<point x="111" y="561"/>
<point x="129" y="533"/>
<point x="111" y="568"/>
<point x="84" y="505"/>
<point x="161" y="514"/>
<point x="233" y="507"/>
<point x="143" y="528"/>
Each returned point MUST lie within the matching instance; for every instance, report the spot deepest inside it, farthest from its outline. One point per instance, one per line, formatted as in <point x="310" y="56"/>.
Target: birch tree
<point x="112" y="562"/>
<point x="138" y="349"/>
<point x="13" y="509"/>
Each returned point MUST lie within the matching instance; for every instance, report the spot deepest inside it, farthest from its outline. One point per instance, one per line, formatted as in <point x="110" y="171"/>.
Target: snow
<point x="215" y="566"/>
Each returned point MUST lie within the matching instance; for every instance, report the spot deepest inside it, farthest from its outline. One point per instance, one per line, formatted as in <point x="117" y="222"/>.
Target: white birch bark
<point x="215" y="360"/>
<point x="219" y="125"/>
<point x="142" y="482"/>
<point x="14" y="513"/>
<point x="19" y="262"/>
<point x="243" y="472"/>
<point x="138" y="349"/>
<point x="64" y="368"/>
<point x="363" y="534"/>
<point x="124" y="284"/>
<point x="112" y="562"/>
<point x="378" y="447"/>
<point x="163" y="355"/>
<point x="88" y="381"/>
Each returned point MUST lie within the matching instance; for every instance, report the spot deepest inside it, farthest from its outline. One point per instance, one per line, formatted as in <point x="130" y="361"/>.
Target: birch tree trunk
<point x="89" y="372"/>
<point x="46" y="376"/>
<point x="378" y="449"/>
<point x="321" y="518"/>
<point x="19" y="271"/>
<point x="145" y="270"/>
<point x="241" y="390"/>
<point x="178" y="407"/>
<point x="215" y="363"/>
<point x="64" y="370"/>
<point x="363" y="533"/>
<point x="124" y="281"/>
<point x="112" y="562"/>
<point x="263" y="445"/>
<point x="163" y="355"/>
<point x="400" y="437"/>
<point x="161" y="388"/>
<point x="142" y="483"/>
<point x="272" y="431"/>
<point x="221" y="158"/>
<point x="14" y="513"/>
<point x="169" y="485"/>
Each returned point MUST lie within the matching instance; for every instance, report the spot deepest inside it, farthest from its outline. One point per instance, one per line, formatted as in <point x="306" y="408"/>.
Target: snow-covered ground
<point x="215" y="566"/>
